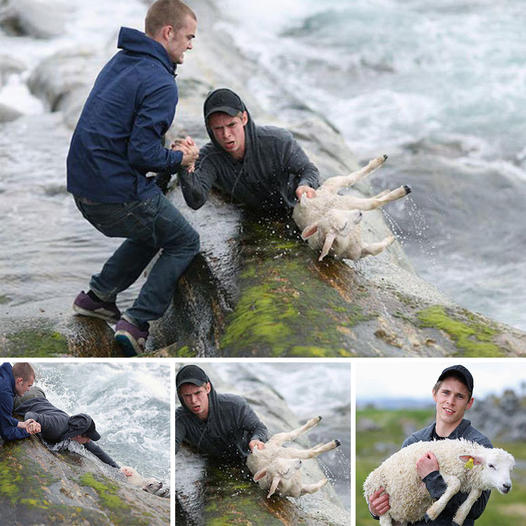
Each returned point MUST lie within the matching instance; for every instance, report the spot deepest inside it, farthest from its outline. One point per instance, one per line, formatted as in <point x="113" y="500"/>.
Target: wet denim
<point x="149" y="226"/>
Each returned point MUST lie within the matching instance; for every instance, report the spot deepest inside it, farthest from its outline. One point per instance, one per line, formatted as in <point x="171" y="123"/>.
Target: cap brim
<point x="223" y="109"/>
<point x="93" y="435"/>
<point x="195" y="381"/>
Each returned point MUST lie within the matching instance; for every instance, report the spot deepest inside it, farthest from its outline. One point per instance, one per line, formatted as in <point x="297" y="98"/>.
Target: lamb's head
<point x="496" y="468"/>
<point x="152" y="485"/>
<point x="336" y="228"/>
<point x="279" y="469"/>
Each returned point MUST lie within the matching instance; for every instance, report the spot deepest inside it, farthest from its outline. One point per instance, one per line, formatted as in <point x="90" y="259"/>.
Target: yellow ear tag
<point x="469" y="464"/>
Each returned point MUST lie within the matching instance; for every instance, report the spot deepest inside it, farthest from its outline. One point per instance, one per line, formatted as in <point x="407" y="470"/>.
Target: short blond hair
<point x="166" y="13"/>
<point x="23" y="370"/>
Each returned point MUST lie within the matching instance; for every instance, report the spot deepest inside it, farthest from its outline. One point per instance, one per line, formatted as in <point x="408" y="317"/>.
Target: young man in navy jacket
<point x="117" y="141"/>
<point x="15" y="380"/>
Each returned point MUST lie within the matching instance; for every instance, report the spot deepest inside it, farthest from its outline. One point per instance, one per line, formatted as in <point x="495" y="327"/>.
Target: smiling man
<point x="219" y="425"/>
<point x="452" y="394"/>
<point x="262" y="167"/>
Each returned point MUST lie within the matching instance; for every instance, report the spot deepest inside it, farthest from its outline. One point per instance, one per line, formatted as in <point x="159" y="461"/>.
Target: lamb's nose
<point x="506" y="488"/>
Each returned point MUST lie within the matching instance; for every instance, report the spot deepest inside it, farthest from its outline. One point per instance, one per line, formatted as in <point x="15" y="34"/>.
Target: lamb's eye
<point x="491" y="466"/>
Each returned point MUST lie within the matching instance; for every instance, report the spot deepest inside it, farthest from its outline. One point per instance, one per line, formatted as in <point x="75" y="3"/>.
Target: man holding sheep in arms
<point x="453" y="396"/>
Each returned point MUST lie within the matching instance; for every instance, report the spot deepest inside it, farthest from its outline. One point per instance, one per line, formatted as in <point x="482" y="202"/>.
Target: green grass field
<point x="374" y="445"/>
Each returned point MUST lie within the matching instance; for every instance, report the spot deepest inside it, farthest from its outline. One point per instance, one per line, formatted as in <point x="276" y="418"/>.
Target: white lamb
<point x="277" y="468"/>
<point x="466" y="466"/>
<point x="331" y="221"/>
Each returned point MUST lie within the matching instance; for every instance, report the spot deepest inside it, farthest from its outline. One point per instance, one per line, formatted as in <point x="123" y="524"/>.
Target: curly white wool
<point x="408" y="496"/>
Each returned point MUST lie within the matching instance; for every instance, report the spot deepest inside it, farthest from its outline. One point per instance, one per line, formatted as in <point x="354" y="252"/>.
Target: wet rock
<point x="8" y="114"/>
<point x="9" y="66"/>
<point x="42" y="487"/>
<point x="35" y="18"/>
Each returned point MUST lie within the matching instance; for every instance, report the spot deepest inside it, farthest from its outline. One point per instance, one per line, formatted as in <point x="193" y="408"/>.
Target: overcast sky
<point x="405" y="377"/>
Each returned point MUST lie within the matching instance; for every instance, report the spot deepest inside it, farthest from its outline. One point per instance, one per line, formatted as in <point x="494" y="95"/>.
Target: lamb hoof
<point x="337" y="442"/>
<point x="385" y="156"/>
<point x="427" y="518"/>
<point x="407" y="189"/>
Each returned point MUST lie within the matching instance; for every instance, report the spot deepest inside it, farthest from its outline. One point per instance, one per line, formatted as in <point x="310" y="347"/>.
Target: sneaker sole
<point x="94" y="314"/>
<point x="128" y="343"/>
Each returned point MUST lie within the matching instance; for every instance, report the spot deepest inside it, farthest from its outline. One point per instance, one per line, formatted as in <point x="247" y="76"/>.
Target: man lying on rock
<point x="220" y="425"/>
<point x="262" y="167"/>
<point x="56" y="425"/>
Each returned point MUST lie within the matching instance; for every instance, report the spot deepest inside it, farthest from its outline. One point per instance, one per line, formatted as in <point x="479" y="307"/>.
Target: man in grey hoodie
<point x="262" y="167"/>
<point x="452" y="394"/>
<point x="56" y="425"/>
<point x="222" y="426"/>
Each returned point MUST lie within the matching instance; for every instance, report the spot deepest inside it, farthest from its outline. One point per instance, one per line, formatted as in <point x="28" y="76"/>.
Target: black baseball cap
<point x="223" y="100"/>
<point x="191" y="374"/>
<point x="460" y="372"/>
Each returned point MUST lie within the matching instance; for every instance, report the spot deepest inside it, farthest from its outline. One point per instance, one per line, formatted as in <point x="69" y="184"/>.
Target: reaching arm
<point x="196" y="185"/>
<point x="101" y="454"/>
<point x="298" y="163"/>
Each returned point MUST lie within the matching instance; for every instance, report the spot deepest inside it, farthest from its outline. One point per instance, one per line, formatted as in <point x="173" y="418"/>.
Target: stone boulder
<point x="66" y="489"/>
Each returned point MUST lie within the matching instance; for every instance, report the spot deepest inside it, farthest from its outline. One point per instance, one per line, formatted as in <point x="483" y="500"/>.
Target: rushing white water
<point x="129" y="403"/>
<point x="439" y="86"/>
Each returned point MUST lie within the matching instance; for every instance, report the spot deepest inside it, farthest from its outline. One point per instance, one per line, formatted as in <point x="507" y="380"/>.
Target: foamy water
<point x="130" y="404"/>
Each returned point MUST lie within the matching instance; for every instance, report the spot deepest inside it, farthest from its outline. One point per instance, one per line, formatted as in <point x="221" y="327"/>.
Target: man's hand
<point x="307" y="190"/>
<point x="256" y="444"/>
<point x="189" y="149"/>
<point x="379" y="502"/>
<point x="426" y="464"/>
<point x="31" y="426"/>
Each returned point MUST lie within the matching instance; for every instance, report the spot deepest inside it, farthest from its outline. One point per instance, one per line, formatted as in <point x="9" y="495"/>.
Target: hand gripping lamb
<point x="331" y="221"/>
<point x="277" y="468"/>
<point x="465" y="466"/>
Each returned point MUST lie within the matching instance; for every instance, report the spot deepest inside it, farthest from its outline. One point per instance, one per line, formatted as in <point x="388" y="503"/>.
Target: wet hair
<point x="23" y="370"/>
<point x="166" y="13"/>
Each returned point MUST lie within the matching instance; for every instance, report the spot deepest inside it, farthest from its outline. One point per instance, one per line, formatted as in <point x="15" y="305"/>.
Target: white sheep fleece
<point x="408" y="496"/>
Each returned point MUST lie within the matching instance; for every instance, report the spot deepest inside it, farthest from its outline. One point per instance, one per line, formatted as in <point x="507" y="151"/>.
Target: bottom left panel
<point x="85" y="443"/>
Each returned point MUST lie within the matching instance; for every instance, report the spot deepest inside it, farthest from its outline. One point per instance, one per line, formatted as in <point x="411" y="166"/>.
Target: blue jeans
<point x="149" y="226"/>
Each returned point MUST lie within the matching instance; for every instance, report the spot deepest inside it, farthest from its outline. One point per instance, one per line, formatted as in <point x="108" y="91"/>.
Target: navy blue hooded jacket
<point x="8" y="423"/>
<point x="118" y="138"/>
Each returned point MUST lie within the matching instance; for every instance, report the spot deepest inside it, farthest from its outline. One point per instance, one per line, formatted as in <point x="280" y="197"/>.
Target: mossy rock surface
<point x="38" y="486"/>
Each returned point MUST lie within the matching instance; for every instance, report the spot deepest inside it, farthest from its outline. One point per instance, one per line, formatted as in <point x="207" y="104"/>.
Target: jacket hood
<point x="136" y="41"/>
<point x="81" y="424"/>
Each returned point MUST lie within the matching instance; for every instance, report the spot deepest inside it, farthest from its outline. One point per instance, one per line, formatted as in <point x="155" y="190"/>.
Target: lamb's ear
<point x="273" y="487"/>
<point x="309" y="231"/>
<point x="329" y="240"/>
<point x="260" y="474"/>
<point x="471" y="460"/>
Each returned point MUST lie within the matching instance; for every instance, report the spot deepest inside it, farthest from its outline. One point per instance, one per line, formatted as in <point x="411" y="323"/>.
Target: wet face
<point x="177" y="42"/>
<point x="81" y="439"/>
<point x="22" y="386"/>
<point x="195" y="398"/>
<point x="229" y="132"/>
<point x="452" y="399"/>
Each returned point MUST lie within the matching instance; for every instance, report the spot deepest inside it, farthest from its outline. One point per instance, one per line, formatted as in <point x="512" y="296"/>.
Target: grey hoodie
<point x="274" y="165"/>
<point x="230" y="426"/>
<point x="56" y="424"/>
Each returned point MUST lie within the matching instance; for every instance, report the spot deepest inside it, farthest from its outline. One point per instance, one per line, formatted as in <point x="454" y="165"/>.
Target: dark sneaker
<point x="130" y="338"/>
<point x="105" y="310"/>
